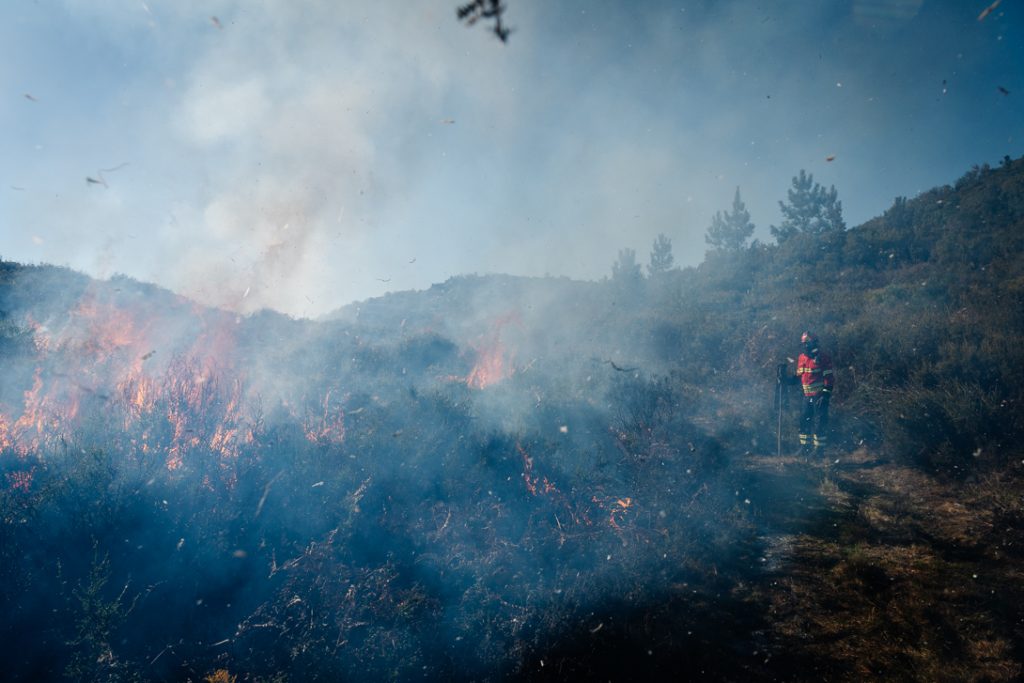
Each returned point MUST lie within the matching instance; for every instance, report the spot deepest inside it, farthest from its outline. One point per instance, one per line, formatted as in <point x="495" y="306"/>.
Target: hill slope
<point x="529" y="478"/>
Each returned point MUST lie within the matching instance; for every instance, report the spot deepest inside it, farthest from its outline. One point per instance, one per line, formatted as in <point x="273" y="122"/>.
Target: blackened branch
<point x="485" y="9"/>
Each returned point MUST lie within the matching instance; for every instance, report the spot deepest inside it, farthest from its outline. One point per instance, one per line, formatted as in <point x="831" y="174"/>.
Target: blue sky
<point x="303" y="155"/>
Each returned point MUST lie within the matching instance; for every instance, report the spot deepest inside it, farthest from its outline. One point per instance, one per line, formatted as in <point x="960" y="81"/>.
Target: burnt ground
<point x="855" y="569"/>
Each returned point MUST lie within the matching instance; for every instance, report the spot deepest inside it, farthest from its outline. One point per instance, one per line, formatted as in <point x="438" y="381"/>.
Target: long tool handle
<point x="778" y="427"/>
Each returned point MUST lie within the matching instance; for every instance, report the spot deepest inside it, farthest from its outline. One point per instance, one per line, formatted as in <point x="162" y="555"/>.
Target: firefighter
<point x="815" y="373"/>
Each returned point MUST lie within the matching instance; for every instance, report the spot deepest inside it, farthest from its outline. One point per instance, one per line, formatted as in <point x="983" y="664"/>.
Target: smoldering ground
<point x="261" y="494"/>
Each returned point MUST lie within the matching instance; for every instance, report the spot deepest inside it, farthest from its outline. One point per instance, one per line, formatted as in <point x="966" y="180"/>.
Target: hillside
<point x="506" y="478"/>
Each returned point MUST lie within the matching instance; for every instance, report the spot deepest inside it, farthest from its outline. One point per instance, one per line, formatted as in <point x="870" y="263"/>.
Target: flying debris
<point x="149" y="355"/>
<point x="612" y="363"/>
<point x="30" y="98"/>
<point x="485" y="9"/>
<point x="216" y="22"/>
<point x="988" y="10"/>
<point x="830" y="157"/>
<point x="381" y="279"/>
<point x="19" y="189"/>
<point x="99" y="179"/>
<point x="413" y="260"/>
<point x="266" y="492"/>
<point x="448" y="121"/>
<point x="1003" y="90"/>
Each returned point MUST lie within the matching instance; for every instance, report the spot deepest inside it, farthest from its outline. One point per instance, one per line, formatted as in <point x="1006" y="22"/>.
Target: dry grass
<point x="915" y="581"/>
<point x="220" y="676"/>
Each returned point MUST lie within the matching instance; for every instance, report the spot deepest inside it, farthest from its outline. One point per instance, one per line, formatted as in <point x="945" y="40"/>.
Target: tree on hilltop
<point x="730" y="230"/>
<point x="626" y="270"/>
<point x="810" y="209"/>
<point x="661" y="256"/>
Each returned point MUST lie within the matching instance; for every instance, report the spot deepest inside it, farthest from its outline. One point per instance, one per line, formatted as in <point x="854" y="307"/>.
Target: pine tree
<point x="626" y="270"/>
<point x="730" y="231"/>
<point x="810" y="209"/>
<point x="898" y="216"/>
<point x="661" y="256"/>
<point x="627" y="278"/>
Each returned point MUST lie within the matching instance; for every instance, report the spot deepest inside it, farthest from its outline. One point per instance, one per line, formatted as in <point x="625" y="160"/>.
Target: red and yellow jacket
<point x="815" y="373"/>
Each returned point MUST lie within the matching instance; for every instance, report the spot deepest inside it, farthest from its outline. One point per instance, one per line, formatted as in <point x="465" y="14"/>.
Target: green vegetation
<point x="731" y="230"/>
<point x="922" y="309"/>
<point x="810" y="209"/>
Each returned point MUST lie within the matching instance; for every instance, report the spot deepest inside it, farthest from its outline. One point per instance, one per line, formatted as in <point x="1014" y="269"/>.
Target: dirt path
<point x="874" y="570"/>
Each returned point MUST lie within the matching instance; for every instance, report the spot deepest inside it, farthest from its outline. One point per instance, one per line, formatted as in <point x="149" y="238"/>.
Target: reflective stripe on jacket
<point x="815" y="373"/>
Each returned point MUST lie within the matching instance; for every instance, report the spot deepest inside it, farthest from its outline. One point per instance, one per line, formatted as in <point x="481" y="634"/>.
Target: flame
<point x="95" y="369"/>
<point x="39" y="423"/>
<point x="327" y="427"/>
<point x="6" y="437"/>
<point x="534" y="484"/>
<point x="140" y="393"/>
<point x="491" y="367"/>
<point x="616" y="509"/>
<point x="102" y="330"/>
<point x="21" y="481"/>
<point x="202" y="413"/>
<point x="187" y="401"/>
<point x="493" y="361"/>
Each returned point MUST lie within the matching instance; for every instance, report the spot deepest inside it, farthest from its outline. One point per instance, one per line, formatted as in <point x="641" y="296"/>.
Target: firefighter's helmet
<point x="809" y="338"/>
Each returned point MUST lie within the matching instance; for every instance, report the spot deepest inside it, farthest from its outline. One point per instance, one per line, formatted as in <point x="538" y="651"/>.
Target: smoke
<point x="353" y="464"/>
<point x="298" y="156"/>
<point x="400" y="147"/>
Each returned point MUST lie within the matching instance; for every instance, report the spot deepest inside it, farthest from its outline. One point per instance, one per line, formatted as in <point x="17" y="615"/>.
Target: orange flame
<point x="534" y="484"/>
<point x="39" y="422"/>
<point x="6" y="436"/>
<point x="490" y="368"/>
<point x="101" y="348"/>
<point x="328" y="427"/>
<point x="494" y="361"/>
<point x="616" y="508"/>
<point x="187" y="404"/>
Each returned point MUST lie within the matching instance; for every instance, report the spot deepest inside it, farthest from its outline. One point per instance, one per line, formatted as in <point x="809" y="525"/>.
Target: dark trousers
<point x="814" y="422"/>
